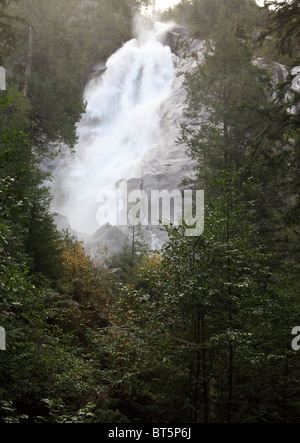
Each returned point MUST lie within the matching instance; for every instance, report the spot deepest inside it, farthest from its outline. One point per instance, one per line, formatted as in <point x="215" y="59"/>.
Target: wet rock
<point x="174" y="36"/>
<point x="278" y="71"/>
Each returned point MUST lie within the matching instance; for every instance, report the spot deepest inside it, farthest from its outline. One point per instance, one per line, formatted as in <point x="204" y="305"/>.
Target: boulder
<point x="174" y="35"/>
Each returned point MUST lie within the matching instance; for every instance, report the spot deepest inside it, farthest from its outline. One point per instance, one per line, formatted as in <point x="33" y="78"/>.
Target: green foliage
<point x="207" y="312"/>
<point x="220" y="98"/>
<point x="282" y="132"/>
<point x="200" y="332"/>
<point x="128" y="260"/>
<point x="206" y="16"/>
<point x="7" y="31"/>
<point x="33" y="224"/>
<point x="68" y="37"/>
<point x="224" y="282"/>
<point x="283" y="25"/>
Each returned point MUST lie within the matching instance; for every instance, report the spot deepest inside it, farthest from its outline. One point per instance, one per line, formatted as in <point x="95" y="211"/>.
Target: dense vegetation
<point x="200" y="331"/>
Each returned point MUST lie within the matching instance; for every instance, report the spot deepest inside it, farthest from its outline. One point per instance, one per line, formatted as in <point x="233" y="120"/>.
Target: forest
<point x="200" y="331"/>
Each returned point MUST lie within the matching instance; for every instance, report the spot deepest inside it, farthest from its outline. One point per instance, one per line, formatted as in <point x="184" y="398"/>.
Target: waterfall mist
<point x="121" y="123"/>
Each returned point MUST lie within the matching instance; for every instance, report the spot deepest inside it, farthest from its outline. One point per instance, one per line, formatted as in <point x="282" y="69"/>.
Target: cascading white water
<point x="122" y="122"/>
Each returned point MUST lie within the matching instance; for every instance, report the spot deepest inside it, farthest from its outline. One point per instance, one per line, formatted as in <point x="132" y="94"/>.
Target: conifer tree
<point x="220" y="98"/>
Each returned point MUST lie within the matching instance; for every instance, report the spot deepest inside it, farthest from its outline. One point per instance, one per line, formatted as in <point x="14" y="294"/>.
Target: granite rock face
<point x="164" y="166"/>
<point x="277" y="70"/>
<point x="107" y="236"/>
<point x="173" y="37"/>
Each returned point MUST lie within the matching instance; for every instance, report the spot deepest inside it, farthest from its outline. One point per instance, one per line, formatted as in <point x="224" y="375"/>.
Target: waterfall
<point x="121" y="123"/>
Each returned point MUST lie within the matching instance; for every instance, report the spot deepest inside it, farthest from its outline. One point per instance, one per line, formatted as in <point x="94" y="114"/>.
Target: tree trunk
<point x="230" y="319"/>
<point x="205" y="375"/>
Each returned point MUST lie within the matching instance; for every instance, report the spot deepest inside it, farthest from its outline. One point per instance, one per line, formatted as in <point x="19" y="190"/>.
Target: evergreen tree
<point x="212" y="303"/>
<point x="283" y="24"/>
<point x="205" y="16"/>
<point x="279" y="162"/>
<point x="7" y="30"/>
<point x="220" y="98"/>
<point x="132" y="255"/>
